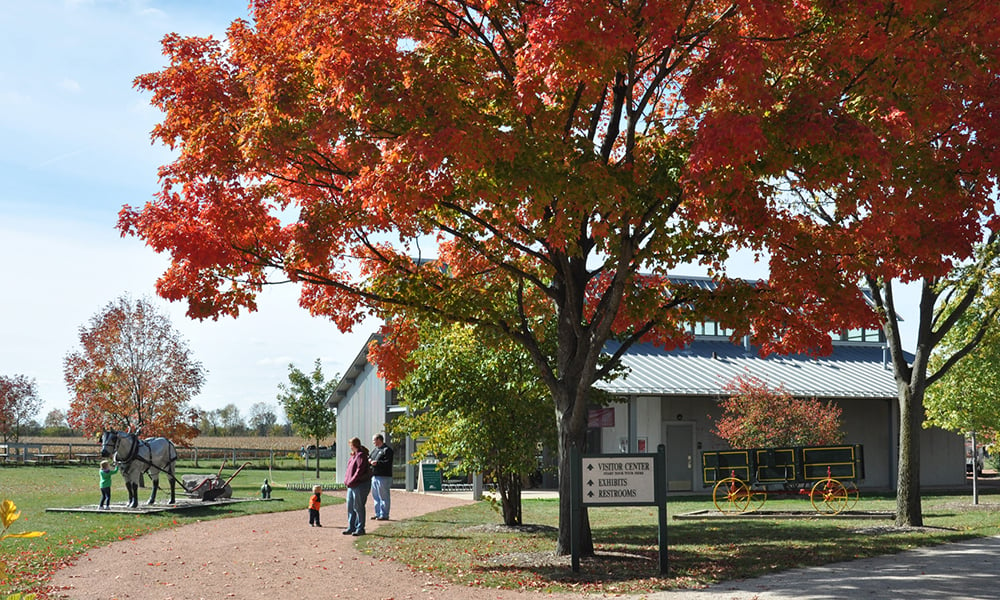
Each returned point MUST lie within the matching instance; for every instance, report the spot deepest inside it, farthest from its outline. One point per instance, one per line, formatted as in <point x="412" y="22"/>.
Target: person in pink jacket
<point x="358" y="480"/>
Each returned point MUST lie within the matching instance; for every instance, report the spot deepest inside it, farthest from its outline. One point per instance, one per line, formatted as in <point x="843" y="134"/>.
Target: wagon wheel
<point x="731" y="495"/>
<point x="757" y="500"/>
<point x="829" y="496"/>
<point x="853" y="495"/>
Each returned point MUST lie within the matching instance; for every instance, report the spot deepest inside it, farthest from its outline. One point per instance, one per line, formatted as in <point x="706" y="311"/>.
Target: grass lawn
<point x="35" y="488"/>
<point x="700" y="552"/>
<point x="465" y="544"/>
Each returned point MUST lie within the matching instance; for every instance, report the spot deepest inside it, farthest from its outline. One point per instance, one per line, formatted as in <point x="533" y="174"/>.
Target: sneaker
<point x="357" y="533"/>
<point x="347" y="532"/>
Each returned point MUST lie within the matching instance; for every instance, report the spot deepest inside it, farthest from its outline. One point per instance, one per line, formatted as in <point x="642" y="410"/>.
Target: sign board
<point x="619" y="479"/>
<point x="601" y="417"/>
<point x="431" y="477"/>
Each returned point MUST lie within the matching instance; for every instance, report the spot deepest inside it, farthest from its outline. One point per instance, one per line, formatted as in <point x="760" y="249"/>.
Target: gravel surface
<point x="278" y="556"/>
<point x="275" y="556"/>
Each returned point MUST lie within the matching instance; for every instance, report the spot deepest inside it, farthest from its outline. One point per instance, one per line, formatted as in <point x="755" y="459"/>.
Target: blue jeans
<point x="381" y="484"/>
<point x="357" y="497"/>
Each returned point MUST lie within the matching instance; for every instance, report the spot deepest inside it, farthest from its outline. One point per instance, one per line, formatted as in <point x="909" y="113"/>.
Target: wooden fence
<point x="89" y="452"/>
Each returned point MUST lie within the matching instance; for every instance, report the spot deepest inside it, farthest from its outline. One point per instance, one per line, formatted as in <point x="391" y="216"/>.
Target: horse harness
<point x="133" y="453"/>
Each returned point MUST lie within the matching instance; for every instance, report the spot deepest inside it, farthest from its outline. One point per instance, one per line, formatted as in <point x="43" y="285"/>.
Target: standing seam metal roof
<point x="705" y="367"/>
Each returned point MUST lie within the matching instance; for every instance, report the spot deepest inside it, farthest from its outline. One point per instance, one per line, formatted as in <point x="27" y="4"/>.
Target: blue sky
<point x="75" y="147"/>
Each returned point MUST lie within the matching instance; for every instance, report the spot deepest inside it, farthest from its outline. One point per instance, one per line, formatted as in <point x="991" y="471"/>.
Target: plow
<point x="210" y="487"/>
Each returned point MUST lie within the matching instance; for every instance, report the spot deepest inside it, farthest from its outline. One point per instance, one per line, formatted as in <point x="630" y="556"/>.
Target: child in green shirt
<point x="106" y="473"/>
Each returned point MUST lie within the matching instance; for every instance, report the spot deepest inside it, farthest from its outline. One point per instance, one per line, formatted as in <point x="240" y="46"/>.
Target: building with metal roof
<point x="672" y="398"/>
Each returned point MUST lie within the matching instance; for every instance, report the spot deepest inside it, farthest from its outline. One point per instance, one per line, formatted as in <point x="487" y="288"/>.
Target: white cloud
<point x="70" y="85"/>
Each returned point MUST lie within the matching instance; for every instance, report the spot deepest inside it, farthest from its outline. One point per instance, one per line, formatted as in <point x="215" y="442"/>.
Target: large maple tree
<point x="556" y="158"/>
<point x="133" y="371"/>
<point x="890" y="178"/>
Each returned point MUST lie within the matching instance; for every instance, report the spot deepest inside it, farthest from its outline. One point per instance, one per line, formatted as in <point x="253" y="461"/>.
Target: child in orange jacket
<point x="314" y="503"/>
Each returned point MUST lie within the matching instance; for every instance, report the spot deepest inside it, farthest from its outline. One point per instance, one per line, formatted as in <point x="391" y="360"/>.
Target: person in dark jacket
<point x="358" y="480"/>
<point x="381" y="462"/>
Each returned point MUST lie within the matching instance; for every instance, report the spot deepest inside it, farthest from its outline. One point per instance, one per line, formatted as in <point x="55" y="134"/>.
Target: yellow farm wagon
<point x="742" y="479"/>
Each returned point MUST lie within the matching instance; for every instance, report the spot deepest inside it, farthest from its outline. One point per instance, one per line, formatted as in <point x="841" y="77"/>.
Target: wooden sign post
<point x="619" y="480"/>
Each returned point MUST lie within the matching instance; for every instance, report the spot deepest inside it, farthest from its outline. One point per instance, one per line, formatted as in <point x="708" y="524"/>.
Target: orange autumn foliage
<point x="517" y="165"/>
<point x="756" y="416"/>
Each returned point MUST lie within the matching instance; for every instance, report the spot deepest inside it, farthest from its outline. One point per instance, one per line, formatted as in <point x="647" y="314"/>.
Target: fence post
<point x="196" y="457"/>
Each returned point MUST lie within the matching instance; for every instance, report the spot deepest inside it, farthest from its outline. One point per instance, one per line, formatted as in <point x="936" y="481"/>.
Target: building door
<point x="679" y="442"/>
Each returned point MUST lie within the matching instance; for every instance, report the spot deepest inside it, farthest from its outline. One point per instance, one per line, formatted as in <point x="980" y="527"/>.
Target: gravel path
<point x="274" y="556"/>
<point x="278" y="556"/>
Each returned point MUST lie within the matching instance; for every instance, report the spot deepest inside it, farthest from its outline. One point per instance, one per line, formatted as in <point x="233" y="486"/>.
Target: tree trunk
<point x="571" y="437"/>
<point x="909" y="512"/>
<point x="911" y="381"/>
<point x="317" y="460"/>
<point x="509" y="489"/>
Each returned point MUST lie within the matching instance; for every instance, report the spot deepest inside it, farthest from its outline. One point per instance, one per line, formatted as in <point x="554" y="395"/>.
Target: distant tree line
<point x="262" y="420"/>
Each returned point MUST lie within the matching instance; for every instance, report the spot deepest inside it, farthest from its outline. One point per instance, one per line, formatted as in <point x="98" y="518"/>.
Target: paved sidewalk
<point x="959" y="571"/>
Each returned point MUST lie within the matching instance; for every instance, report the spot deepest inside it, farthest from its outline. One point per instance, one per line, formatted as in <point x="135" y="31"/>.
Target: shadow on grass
<point x="704" y="553"/>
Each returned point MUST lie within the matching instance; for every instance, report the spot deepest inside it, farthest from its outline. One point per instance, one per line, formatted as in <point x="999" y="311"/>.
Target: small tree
<point x="965" y="399"/>
<point x="756" y="416"/>
<point x="55" y="424"/>
<point x="19" y="403"/>
<point x="133" y="370"/>
<point x="475" y="401"/>
<point x="231" y="420"/>
<point x="304" y="401"/>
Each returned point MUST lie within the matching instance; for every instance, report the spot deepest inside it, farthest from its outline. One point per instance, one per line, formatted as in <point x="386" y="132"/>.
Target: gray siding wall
<point x="870" y="422"/>
<point x="361" y="414"/>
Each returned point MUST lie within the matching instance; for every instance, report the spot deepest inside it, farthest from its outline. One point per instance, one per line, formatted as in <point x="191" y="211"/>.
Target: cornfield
<point x="261" y="452"/>
<point x="289" y="443"/>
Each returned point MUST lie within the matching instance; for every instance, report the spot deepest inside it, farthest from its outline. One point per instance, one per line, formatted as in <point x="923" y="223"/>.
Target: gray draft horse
<point x="137" y="456"/>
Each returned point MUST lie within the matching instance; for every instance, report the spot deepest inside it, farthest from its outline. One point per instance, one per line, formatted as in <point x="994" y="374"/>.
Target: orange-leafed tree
<point x="133" y="371"/>
<point x="555" y="160"/>
<point x="19" y="402"/>
<point x="890" y="178"/>
<point x="755" y="415"/>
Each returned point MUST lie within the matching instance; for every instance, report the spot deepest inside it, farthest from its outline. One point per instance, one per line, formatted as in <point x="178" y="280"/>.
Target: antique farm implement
<point x="742" y="479"/>
<point x="210" y="487"/>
